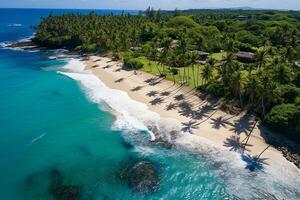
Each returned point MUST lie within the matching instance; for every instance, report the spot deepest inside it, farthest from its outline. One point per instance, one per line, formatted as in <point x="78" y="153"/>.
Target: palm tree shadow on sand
<point x="137" y="88"/>
<point x="189" y="126"/>
<point x="171" y="106"/>
<point x="119" y="80"/>
<point x="186" y="109"/>
<point x="254" y="163"/>
<point x="242" y="125"/>
<point x="152" y="93"/>
<point x="156" y="101"/>
<point x="150" y="80"/>
<point x="234" y="144"/>
<point x="165" y="93"/>
<point x="204" y="111"/>
<point x="118" y="70"/>
<point x="179" y="97"/>
<point x="219" y="122"/>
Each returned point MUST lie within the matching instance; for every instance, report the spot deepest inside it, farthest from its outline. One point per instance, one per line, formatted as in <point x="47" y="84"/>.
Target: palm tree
<point x="193" y="56"/>
<point x="237" y="84"/>
<point x="230" y="46"/>
<point x="251" y="87"/>
<point x="226" y="69"/>
<point x="261" y="58"/>
<point x="172" y="62"/>
<point x="147" y="49"/>
<point x="182" y="53"/>
<point x="283" y="73"/>
<point x="166" y="45"/>
<point x="154" y="55"/>
<point x="289" y="54"/>
<point x="207" y="71"/>
<point x="267" y="93"/>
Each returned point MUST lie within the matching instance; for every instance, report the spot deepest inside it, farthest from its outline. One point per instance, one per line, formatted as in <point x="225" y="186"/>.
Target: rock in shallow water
<point x="141" y="177"/>
<point x="59" y="190"/>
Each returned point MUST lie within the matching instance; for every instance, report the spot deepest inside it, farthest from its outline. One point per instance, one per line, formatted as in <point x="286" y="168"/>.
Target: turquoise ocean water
<point x="50" y="128"/>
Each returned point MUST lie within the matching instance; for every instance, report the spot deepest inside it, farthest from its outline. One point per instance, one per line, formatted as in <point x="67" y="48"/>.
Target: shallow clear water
<point x="50" y="127"/>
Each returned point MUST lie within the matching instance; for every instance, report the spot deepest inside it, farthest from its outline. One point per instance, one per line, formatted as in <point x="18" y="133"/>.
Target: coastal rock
<point x="164" y="138"/>
<point x="26" y="45"/>
<point x="141" y="177"/>
<point x="292" y="157"/>
<point x="60" y="190"/>
<point x="163" y="143"/>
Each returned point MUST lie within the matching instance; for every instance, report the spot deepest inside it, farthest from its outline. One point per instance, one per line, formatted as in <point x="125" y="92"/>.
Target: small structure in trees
<point x="160" y="49"/>
<point x="297" y="63"/>
<point x="242" y="17"/>
<point x="203" y="56"/>
<point x="174" y="44"/>
<point x="135" y="48"/>
<point x="244" y="56"/>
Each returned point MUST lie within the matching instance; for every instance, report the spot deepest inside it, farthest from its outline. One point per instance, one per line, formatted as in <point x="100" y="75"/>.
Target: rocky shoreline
<point x="26" y="45"/>
<point x="289" y="149"/>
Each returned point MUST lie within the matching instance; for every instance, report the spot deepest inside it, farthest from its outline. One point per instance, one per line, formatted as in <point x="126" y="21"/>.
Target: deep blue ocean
<point x="51" y="133"/>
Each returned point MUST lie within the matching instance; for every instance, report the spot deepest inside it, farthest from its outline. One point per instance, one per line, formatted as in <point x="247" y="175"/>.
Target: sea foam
<point x="38" y="138"/>
<point x="131" y="115"/>
<point x="15" y="25"/>
<point x="6" y="44"/>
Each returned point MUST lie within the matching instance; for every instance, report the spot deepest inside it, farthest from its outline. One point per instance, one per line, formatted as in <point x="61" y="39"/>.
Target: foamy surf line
<point x="6" y="44"/>
<point x="131" y="114"/>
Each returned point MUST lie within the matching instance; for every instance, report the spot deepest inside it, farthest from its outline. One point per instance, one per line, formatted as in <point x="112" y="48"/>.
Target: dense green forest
<point x="170" y="44"/>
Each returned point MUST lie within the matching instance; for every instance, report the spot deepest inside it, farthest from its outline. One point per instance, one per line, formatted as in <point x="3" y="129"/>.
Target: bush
<point x="133" y="63"/>
<point x="183" y="21"/>
<point x="213" y="88"/>
<point x="87" y="48"/>
<point x="285" y="118"/>
<point x="248" y="38"/>
<point x="245" y="47"/>
<point x="297" y="101"/>
<point x="289" y="93"/>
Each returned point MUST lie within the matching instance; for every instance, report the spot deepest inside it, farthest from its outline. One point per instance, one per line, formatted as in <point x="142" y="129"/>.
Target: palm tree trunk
<point x="249" y="135"/>
<point x="184" y="75"/>
<point x="197" y="73"/>
<point x="263" y="151"/>
<point x="193" y="68"/>
<point x="240" y="97"/>
<point x="157" y="67"/>
<point x="150" y="66"/>
<point x="188" y="75"/>
<point x="263" y="107"/>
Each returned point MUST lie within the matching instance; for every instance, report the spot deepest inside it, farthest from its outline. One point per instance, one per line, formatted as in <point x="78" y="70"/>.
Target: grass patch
<point x="218" y="56"/>
<point x="154" y="68"/>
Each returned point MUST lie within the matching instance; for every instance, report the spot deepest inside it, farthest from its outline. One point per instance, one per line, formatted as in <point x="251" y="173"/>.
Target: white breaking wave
<point x="60" y="54"/>
<point x="38" y="138"/>
<point x="6" y="44"/>
<point x="15" y="25"/>
<point x="131" y="115"/>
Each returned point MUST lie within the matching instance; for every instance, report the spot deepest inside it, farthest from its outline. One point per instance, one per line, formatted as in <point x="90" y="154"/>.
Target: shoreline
<point x="213" y="126"/>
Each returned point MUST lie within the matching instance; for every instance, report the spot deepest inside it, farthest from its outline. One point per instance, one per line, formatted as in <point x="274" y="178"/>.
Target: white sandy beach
<point x="211" y="124"/>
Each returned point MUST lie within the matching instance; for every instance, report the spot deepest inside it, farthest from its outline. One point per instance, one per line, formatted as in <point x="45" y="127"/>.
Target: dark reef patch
<point x="141" y="176"/>
<point x="60" y="190"/>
